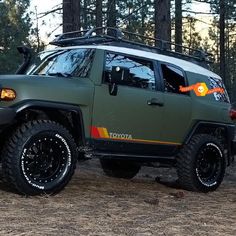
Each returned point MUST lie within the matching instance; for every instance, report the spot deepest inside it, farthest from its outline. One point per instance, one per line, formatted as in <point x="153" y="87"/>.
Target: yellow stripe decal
<point x="106" y="135"/>
<point x="146" y="141"/>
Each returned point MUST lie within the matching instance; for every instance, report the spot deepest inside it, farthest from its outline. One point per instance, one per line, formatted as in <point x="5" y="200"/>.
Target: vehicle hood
<point x="76" y="91"/>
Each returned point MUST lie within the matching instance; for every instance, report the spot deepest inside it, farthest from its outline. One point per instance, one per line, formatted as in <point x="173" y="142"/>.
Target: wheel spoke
<point x="45" y="159"/>
<point x="208" y="165"/>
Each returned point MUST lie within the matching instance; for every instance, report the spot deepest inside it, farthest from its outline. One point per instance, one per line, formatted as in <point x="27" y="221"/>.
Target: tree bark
<point x="142" y="19"/>
<point x="162" y="20"/>
<point x="178" y="25"/>
<point x="98" y="13"/>
<point x="85" y="15"/>
<point x="71" y="15"/>
<point x="111" y="13"/>
<point x="67" y="16"/>
<point x="76" y="15"/>
<point x="222" y="40"/>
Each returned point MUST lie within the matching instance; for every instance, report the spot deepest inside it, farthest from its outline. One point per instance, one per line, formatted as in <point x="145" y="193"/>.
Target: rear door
<point x="178" y="105"/>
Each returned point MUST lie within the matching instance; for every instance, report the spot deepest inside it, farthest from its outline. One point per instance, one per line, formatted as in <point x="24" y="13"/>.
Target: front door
<point x="130" y="121"/>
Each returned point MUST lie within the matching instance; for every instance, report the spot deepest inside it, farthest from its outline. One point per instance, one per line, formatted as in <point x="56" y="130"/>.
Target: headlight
<point x="7" y="94"/>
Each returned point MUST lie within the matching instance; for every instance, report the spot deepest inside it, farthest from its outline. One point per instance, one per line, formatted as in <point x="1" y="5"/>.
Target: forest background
<point x="211" y="28"/>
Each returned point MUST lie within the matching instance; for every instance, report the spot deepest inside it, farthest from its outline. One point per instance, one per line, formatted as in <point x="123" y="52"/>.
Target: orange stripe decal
<point x="102" y="133"/>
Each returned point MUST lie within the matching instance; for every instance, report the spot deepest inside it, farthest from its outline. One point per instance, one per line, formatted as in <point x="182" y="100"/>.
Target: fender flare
<point x="37" y="104"/>
<point x="229" y="132"/>
<point x="230" y="129"/>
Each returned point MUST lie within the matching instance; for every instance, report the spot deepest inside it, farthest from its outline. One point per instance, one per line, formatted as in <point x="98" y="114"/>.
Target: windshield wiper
<point x="60" y="74"/>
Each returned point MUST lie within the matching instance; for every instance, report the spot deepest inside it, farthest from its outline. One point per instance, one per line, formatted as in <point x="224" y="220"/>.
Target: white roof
<point x="185" y="65"/>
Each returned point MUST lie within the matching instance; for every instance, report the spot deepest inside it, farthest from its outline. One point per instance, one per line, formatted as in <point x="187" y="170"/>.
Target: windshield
<point x="66" y="63"/>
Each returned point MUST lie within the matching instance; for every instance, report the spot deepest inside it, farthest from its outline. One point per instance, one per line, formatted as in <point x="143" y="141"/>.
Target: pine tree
<point x="71" y="15"/>
<point x="98" y="13"/>
<point x="178" y="24"/>
<point x="111" y="13"/>
<point x="225" y="25"/>
<point x="162" y="20"/>
<point x="15" y="28"/>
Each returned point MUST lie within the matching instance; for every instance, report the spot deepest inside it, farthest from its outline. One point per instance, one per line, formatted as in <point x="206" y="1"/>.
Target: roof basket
<point x="117" y="37"/>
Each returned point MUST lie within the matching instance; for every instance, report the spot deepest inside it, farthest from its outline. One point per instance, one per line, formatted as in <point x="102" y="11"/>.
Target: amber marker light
<point x="7" y="94"/>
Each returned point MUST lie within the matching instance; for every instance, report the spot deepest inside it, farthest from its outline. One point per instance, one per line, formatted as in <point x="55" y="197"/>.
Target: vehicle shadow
<point x="4" y="186"/>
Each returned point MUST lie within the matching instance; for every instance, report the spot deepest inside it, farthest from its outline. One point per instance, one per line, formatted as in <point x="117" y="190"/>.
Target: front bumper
<point x="7" y="115"/>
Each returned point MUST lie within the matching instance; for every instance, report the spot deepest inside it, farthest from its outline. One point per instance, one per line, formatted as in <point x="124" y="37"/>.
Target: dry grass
<point x="93" y="204"/>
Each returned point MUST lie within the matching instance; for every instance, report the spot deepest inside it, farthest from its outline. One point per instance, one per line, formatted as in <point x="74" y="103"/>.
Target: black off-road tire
<point x="201" y="164"/>
<point x="119" y="168"/>
<point x="39" y="157"/>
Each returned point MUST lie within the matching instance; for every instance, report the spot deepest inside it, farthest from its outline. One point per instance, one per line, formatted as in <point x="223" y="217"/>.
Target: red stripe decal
<point x="94" y="132"/>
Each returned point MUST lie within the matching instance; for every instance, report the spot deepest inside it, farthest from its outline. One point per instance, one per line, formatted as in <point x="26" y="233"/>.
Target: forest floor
<point x="93" y="204"/>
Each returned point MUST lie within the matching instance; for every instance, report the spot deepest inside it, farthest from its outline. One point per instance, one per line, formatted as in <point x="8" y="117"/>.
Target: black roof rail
<point x="117" y="37"/>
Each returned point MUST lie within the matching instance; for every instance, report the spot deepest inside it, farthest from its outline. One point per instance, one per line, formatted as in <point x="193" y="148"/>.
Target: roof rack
<point x="117" y="37"/>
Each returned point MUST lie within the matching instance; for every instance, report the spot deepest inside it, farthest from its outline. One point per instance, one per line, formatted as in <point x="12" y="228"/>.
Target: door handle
<point x="155" y="102"/>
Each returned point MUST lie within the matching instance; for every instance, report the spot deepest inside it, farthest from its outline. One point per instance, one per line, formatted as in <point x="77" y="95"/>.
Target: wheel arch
<point x="210" y="128"/>
<point x="68" y="115"/>
<point x="224" y="132"/>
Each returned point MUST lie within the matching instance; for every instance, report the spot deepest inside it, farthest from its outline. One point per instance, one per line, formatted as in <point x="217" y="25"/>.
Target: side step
<point x="164" y="161"/>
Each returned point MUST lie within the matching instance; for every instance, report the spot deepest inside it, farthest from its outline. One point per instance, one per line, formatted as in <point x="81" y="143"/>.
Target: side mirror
<point x="119" y="75"/>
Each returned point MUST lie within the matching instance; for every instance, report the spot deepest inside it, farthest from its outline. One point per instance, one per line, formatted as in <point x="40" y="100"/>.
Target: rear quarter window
<point x="217" y="83"/>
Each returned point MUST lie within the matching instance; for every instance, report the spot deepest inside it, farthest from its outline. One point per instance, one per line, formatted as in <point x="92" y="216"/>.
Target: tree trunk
<point x="143" y="19"/>
<point x="111" y="13"/>
<point x="67" y="16"/>
<point x="85" y="15"/>
<point x="178" y="25"/>
<point x="222" y="40"/>
<point x="76" y="15"/>
<point x="71" y="15"/>
<point x="98" y="13"/>
<point x="162" y="20"/>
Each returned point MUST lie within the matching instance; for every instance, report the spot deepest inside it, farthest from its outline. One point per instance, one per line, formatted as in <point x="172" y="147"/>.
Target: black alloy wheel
<point x="40" y="157"/>
<point x="201" y="164"/>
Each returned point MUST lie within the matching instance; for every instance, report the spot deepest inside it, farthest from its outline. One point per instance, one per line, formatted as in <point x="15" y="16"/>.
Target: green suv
<point x="99" y="94"/>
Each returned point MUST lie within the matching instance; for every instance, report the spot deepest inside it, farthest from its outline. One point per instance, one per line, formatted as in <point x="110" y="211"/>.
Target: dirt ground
<point x="93" y="204"/>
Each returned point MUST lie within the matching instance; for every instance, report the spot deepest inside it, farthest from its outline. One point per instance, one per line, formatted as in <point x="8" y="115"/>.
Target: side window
<point x="173" y="78"/>
<point x="139" y="72"/>
<point x="218" y="83"/>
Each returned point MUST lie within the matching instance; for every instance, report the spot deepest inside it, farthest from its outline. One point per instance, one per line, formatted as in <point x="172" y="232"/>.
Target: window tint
<point x="173" y="78"/>
<point x="217" y="83"/>
<point x="140" y="73"/>
<point x="74" y="62"/>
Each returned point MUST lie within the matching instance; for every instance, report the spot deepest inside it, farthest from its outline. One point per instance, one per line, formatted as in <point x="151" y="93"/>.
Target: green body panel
<point x="96" y="73"/>
<point x="207" y="108"/>
<point x="126" y="113"/>
<point x="74" y="91"/>
<point x="177" y="117"/>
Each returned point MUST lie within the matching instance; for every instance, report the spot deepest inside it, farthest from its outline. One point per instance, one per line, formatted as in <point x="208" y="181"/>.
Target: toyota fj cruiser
<point x="99" y="94"/>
